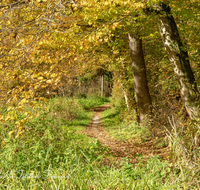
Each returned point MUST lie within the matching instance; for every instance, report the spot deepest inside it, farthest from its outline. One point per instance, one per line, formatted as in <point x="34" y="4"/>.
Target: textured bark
<point x="140" y="79"/>
<point x="178" y="58"/>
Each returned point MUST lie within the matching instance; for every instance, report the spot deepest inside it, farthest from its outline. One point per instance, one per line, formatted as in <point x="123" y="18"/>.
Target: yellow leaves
<point x="57" y="80"/>
<point x="90" y="22"/>
<point x="20" y="133"/>
<point x="23" y="101"/>
<point x="115" y="25"/>
<point x="139" y="5"/>
<point x="53" y="75"/>
<point x="32" y="103"/>
<point x="115" y="52"/>
<point x="90" y="38"/>
<point x="106" y="39"/>
<point x="9" y="108"/>
<point x="70" y="60"/>
<point x="1" y="119"/>
<point x="40" y="78"/>
<point x="9" y="118"/>
<point x="52" y="67"/>
<point x="38" y="1"/>
<point x="20" y="108"/>
<point x="27" y="113"/>
<point x="3" y="143"/>
<point x="10" y="133"/>
<point x="49" y="81"/>
<point x="107" y="3"/>
<point x="48" y="57"/>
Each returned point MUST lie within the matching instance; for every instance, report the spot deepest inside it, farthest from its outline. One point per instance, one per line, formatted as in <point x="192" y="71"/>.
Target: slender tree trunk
<point x="179" y="58"/>
<point x="102" y="85"/>
<point x="140" y="79"/>
<point x="125" y="97"/>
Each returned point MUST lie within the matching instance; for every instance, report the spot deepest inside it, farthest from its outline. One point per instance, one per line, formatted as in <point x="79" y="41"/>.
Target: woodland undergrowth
<point x="176" y="133"/>
<point x="53" y="154"/>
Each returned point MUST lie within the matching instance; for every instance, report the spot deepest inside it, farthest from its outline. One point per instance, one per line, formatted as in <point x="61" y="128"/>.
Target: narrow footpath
<point x="120" y="149"/>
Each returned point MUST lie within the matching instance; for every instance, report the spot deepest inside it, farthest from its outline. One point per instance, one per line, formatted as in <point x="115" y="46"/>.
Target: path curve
<point x="118" y="148"/>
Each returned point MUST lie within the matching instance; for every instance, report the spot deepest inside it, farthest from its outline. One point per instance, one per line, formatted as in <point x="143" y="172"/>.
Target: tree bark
<point x="140" y="79"/>
<point x="102" y="85"/>
<point x="178" y="58"/>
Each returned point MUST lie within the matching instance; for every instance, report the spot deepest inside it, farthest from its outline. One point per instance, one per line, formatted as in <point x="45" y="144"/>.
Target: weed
<point x="52" y="155"/>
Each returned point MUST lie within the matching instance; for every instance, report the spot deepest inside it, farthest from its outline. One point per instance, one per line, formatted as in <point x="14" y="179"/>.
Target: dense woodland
<point x="141" y="54"/>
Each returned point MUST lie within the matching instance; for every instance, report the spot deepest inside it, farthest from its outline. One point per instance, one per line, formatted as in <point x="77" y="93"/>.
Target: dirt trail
<point x="121" y="149"/>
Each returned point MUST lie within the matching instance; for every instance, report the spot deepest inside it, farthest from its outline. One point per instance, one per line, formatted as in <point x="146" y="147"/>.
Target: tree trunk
<point x="179" y="59"/>
<point x="102" y="86"/>
<point x="125" y="97"/>
<point x="140" y="79"/>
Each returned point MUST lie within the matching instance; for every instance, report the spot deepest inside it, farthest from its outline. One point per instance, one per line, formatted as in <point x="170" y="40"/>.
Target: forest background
<point x="52" y="48"/>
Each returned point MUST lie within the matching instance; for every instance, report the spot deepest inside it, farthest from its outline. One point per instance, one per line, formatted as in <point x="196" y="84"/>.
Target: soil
<point x="119" y="149"/>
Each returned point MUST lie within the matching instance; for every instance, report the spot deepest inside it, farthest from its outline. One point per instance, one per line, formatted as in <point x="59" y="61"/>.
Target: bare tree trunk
<point x="125" y="97"/>
<point x="179" y="58"/>
<point x="140" y="79"/>
<point x="102" y="85"/>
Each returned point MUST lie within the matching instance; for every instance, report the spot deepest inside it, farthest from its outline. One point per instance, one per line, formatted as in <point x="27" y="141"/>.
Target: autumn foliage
<point x="47" y="46"/>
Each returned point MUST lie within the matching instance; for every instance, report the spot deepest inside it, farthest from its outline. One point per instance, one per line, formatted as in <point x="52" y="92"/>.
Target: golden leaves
<point x="115" y="25"/>
<point x="49" y="81"/>
<point x="10" y="133"/>
<point x="3" y="143"/>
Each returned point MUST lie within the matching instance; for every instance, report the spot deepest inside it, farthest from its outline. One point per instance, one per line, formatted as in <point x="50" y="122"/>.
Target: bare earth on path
<point x="122" y="149"/>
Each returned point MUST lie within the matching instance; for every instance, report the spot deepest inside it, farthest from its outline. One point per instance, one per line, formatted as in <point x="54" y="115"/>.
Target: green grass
<point x="91" y="102"/>
<point x="122" y="128"/>
<point x="52" y="155"/>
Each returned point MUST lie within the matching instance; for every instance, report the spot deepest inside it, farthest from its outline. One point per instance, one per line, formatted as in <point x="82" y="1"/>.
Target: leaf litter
<point x="119" y="149"/>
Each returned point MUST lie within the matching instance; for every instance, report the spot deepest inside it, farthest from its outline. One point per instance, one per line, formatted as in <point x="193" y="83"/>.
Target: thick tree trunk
<point x="179" y="59"/>
<point x="140" y="79"/>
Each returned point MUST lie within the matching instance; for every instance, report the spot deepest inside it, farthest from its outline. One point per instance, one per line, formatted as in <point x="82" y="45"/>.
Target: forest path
<point x="120" y="149"/>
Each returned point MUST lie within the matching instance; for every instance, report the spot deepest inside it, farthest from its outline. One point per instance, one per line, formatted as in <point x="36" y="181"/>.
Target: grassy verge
<point x="52" y="155"/>
<point x="123" y="127"/>
<point x="183" y="173"/>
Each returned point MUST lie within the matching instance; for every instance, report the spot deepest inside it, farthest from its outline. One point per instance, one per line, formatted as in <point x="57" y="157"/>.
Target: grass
<point x="123" y="128"/>
<point x="50" y="149"/>
<point x="91" y="102"/>
<point x="182" y="173"/>
<point x="52" y="155"/>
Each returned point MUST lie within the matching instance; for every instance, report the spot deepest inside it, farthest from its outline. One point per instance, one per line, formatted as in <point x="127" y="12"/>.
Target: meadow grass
<point x="52" y="155"/>
<point x="182" y="173"/>
<point x="123" y="127"/>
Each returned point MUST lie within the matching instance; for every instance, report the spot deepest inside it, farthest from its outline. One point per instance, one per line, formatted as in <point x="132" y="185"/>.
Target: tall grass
<point x="183" y="170"/>
<point x="52" y="155"/>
